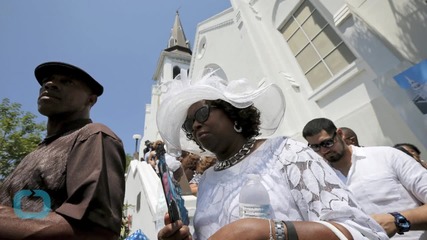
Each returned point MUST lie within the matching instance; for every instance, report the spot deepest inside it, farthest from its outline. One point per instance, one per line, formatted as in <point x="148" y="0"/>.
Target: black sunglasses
<point x="201" y="115"/>
<point x="328" y="143"/>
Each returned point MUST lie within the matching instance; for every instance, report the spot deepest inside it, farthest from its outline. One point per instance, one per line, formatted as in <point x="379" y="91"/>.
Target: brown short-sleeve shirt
<point x="82" y="170"/>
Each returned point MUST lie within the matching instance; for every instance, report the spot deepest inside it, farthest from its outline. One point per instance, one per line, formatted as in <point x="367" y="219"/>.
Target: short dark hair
<point x="349" y="131"/>
<point x="316" y="125"/>
<point x="247" y="118"/>
<point x="401" y="148"/>
<point x="398" y="145"/>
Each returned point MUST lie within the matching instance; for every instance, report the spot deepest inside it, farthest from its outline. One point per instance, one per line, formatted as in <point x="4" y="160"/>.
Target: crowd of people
<point x="327" y="188"/>
<point x="190" y="165"/>
<point x="221" y="118"/>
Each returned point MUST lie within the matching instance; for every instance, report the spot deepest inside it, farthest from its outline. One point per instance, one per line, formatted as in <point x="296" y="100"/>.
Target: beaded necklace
<point x="236" y="158"/>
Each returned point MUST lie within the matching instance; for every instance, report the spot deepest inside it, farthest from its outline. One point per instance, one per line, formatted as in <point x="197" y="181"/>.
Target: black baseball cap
<point x="47" y="69"/>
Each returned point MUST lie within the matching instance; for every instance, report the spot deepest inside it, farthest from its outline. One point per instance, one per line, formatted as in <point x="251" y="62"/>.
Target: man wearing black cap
<point x="72" y="185"/>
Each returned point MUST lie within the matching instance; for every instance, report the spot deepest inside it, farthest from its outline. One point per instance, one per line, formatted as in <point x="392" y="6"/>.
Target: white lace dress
<point x="301" y="187"/>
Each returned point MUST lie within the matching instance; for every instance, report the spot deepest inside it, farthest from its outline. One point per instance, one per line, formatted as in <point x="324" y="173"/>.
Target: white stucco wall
<point x="251" y="46"/>
<point x="246" y="43"/>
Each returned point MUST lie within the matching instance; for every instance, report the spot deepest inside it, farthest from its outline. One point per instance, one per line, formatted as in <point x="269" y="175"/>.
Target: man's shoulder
<point x="373" y="149"/>
<point x="386" y="153"/>
<point x="96" y="128"/>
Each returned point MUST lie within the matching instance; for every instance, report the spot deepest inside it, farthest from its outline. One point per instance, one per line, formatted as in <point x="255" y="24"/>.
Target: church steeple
<point x="173" y="60"/>
<point x="176" y="57"/>
<point x="177" y="40"/>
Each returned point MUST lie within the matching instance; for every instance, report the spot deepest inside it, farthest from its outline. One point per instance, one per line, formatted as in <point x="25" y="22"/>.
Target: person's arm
<point x="194" y="183"/>
<point x="95" y="181"/>
<point x="53" y="226"/>
<point x="193" y="187"/>
<point x="414" y="179"/>
<point x="255" y="228"/>
<point x="417" y="217"/>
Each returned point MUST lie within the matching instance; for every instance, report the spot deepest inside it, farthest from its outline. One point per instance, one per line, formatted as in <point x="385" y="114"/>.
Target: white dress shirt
<point x="384" y="179"/>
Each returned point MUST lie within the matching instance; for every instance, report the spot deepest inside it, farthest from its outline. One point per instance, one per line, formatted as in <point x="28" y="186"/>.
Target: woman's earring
<point x="237" y="128"/>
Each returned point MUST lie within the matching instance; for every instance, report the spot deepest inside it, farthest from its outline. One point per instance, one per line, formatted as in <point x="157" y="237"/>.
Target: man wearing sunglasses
<point x="387" y="183"/>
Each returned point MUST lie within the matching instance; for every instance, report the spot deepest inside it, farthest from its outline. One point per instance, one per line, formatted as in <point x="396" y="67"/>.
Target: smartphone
<point x="168" y="187"/>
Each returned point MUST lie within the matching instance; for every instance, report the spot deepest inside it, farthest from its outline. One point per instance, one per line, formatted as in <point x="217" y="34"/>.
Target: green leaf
<point x="19" y="135"/>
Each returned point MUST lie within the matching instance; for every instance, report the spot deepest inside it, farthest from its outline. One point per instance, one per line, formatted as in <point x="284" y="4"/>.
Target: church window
<point x="176" y="71"/>
<point x="318" y="49"/>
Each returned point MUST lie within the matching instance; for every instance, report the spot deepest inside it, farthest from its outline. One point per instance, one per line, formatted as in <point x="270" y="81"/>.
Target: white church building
<point x="345" y="60"/>
<point x="335" y="59"/>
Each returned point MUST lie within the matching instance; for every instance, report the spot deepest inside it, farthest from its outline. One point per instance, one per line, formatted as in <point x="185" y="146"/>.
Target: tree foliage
<point x="19" y="135"/>
<point x="129" y="158"/>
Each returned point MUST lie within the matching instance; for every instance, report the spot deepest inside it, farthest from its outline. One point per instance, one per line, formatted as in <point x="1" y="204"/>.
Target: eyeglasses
<point x="328" y="143"/>
<point x="201" y="115"/>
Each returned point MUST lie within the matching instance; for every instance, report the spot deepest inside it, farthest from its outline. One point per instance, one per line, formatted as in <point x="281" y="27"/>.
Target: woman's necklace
<point x="233" y="160"/>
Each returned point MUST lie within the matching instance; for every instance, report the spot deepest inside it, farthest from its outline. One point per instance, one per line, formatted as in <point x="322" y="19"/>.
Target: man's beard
<point x="334" y="157"/>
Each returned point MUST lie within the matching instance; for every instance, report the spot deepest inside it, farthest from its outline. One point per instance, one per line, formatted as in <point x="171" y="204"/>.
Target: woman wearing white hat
<point x="307" y="200"/>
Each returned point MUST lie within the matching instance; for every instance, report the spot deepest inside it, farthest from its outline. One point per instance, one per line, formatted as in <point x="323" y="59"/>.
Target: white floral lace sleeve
<point x="320" y="195"/>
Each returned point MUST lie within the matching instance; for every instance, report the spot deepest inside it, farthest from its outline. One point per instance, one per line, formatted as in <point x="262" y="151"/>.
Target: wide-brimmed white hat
<point x="179" y="94"/>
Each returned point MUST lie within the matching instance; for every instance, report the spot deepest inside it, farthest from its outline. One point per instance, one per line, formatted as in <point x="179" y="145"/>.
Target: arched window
<point x="176" y="71"/>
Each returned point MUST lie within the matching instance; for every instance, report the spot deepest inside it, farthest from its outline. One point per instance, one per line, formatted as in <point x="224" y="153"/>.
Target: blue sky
<point x="117" y="41"/>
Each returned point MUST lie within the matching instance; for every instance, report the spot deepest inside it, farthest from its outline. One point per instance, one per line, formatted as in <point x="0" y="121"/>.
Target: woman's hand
<point x="246" y="228"/>
<point x="176" y="230"/>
